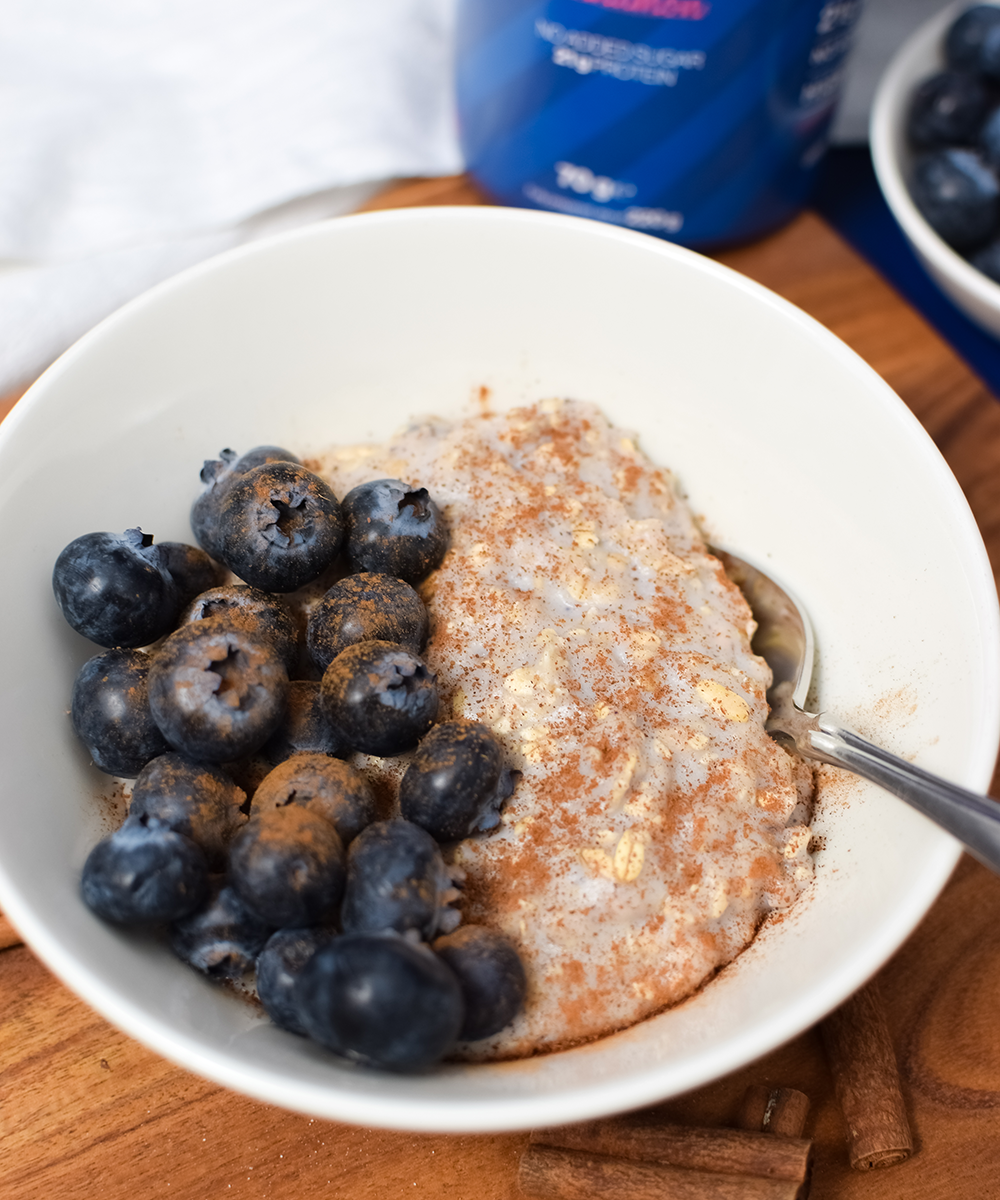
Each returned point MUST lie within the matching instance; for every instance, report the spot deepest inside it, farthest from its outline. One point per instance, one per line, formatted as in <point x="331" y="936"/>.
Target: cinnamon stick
<point x="866" y="1081"/>
<point x="724" y="1151"/>
<point x="551" y="1173"/>
<point x="781" y="1111"/>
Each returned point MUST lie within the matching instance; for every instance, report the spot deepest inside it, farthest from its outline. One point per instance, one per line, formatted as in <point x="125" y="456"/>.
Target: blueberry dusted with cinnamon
<point x="281" y="526"/>
<point x="287" y="865"/>
<point x="305" y="727"/>
<point x="221" y="938"/>
<point x="113" y="589"/>
<point x="111" y="713"/>
<point x="366" y="607"/>
<point x="259" y="456"/>
<point x="251" y="610"/>
<point x="380" y="1000"/>
<point x="217" y="475"/>
<point x="144" y="874"/>
<point x="382" y="697"/>
<point x="216" y="693"/>
<point x="397" y="880"/>
<point x="193" y="798"/>
<point x="328" y="787"/>
<point x="490" y="974"/>
<point x="394" y="529"/>
<point x="456" y="782"/>
<point x="192" y="570"/>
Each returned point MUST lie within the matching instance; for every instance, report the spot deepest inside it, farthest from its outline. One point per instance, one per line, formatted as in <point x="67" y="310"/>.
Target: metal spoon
<point x="784" y="640"/>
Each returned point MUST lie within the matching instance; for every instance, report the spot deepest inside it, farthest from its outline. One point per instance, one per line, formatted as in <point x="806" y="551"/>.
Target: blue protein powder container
<point x="701" y="121"/>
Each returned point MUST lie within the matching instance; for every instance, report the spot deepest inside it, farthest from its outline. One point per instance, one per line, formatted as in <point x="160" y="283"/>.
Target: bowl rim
<point x="525" y="1110"/>
<point x="886" y="138"/>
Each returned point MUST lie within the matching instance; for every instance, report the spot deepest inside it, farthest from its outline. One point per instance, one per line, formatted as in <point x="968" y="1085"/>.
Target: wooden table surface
<point x="87" y="1113"/>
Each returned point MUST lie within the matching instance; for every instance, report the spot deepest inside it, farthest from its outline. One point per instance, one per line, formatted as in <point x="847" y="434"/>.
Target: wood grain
<point x="87" y="1113"/>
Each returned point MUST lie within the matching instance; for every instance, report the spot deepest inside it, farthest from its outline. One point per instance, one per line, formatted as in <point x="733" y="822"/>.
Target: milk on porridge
<point x="579" y="615"/>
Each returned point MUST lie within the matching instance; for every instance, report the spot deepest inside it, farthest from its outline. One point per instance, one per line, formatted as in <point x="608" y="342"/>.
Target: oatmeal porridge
<point x="578" y="614"/>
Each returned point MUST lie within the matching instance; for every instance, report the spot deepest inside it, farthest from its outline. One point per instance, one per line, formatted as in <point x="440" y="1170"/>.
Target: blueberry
<point x="989" y="139"/>
<point x="217" y="475"/>
<point x="328" y="787"/>
<point x="947" y="109"/>
<point x="989" y="55"/>
<point x="963" y="43"/>
<point x="191" y="569"/>
<point x="987" y="260"/>
<point x="222" y="938"/>
<point x="260" y="455"/>
<point x="259" y="614"/>
<point x="305" y="727"/>
<point x="380" y="1001"/>
<point x="112" y="588"/>
<point x="279" y="966"/>
<point x="281" y="527"/>
<point x="397" y="880"/>
<point x="144" y="874"/>
<point x="366" y="607"/>
<point x="216" y="693"/>
<point x="394" y="529"/>
<point x="456" y="782"/>
<point x="111" y="712"/>
<point x="193" y="798"/>
<point x="491" y="977"/>
<point x="958" y="195"/>
<point x="287" y="865"/>
<point x="247" y="773"/>
<point x="381" y="697"/>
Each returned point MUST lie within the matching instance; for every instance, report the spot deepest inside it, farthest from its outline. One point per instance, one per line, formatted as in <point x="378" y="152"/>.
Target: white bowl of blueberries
<point x="935" y="143"/>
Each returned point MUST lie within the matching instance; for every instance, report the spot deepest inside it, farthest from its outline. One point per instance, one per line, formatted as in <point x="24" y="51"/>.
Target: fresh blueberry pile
<point x="251" y="842"/>
<point x="953" y="126"/>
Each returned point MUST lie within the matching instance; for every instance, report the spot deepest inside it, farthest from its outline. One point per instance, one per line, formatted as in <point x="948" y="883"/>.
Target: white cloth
<point x="140" y="136"/>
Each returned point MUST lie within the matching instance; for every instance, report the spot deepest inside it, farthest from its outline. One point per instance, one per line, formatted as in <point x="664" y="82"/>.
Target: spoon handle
<point x="973" y="819"/>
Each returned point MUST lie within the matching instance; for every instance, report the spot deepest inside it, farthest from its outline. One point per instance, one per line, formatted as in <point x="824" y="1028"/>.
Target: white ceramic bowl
<point x="791" y="447"/>
<point x="919" y="57"/>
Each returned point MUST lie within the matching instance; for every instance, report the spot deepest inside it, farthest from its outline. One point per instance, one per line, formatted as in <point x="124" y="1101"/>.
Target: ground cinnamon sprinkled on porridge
<point x="578" y="614"/>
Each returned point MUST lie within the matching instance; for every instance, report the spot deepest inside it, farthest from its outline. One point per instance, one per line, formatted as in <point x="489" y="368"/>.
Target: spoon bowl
<point x="784" y="636"/>
<point x="785" y="641"/>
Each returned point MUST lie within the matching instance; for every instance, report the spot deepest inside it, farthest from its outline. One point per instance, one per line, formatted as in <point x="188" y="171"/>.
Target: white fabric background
<point x="140" y="136"/>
